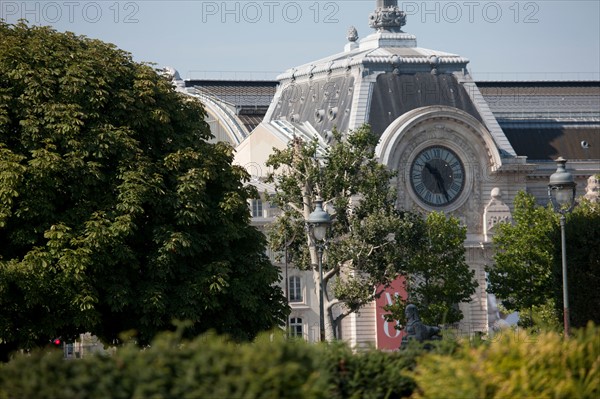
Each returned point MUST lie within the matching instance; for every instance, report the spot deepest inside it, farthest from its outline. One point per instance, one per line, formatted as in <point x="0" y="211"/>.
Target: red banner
<point x="388" y="337"/>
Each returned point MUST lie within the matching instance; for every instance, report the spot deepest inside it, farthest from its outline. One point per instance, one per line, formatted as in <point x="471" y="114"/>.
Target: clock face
<point x="437" y="176"/>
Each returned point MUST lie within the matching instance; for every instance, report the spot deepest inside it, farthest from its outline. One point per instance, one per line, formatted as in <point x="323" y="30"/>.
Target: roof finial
<point x="352" y="34"/>
<point x="387" y="17"/>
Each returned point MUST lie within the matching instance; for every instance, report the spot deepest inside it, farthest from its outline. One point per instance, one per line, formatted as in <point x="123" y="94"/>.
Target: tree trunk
<point x="330" y="333"/>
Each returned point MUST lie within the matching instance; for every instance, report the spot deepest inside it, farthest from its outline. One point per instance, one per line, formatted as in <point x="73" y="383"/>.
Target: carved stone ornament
<point x="387" y="17"/>
<point x="352" y="34"/>
<point x="495" y="212"/>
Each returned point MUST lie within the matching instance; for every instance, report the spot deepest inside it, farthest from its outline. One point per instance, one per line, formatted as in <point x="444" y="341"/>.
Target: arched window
<point x="295" y="286"/>
<point x="296" y="327"/>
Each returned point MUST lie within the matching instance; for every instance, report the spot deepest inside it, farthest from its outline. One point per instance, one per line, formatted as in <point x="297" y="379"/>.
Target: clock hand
<point x="438" y="179"/>
<point x="445" y="192"/>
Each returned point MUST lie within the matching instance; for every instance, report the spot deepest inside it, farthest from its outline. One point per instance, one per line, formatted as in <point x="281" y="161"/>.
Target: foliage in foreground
<point x="516" y="365"/>
<point x="510" y="365"/>
<point x="211" y="367"/>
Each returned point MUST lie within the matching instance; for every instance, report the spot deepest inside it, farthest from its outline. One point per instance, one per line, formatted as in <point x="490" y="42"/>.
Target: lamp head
<point x="561" y="188"/>
<point x="319" y="220"/>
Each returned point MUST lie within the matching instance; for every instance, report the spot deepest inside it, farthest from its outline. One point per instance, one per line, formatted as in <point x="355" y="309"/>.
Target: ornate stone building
<point x="461" y="147"/>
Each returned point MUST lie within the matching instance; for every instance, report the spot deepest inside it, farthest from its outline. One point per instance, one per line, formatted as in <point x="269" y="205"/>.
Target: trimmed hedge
<point x="211" y="367"/>
<point x="207" y="367"/>
<point x="369" y="374"/>
<point x="510" y="366"/>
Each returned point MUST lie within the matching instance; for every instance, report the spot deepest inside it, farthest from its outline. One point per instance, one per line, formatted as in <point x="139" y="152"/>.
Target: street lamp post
<point x="561" y="191"/>
<point x="318" y="222"/>
<point x="287" y="287"/>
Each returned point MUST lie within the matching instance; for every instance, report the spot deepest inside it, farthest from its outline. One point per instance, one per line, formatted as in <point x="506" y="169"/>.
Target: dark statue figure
<point x="416" y="330"/>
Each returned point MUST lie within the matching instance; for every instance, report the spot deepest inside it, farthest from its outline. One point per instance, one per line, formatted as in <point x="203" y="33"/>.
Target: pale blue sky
<point x="503" y="39"/>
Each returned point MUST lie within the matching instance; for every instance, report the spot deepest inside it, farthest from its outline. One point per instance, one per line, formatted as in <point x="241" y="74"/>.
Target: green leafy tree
<point x="438" y="275"/>
<point x="116" y="213"/>
<point x="370" y="241"/>
<point x="582" y="232"/>
<point x="522" y="274"/>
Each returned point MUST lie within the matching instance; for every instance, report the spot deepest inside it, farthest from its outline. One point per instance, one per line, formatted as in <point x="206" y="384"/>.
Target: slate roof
<point x="546" y="144"/>
<point x="543" y="100"/>
<point x="395" y="95"/>
<point x="245" y="95"/>
<point x="251" y="121"/>
<point x="544" y="120"/>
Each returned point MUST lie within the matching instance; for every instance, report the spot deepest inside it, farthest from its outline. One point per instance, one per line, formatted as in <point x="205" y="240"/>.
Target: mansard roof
<point x="541" y="119"/>
<point x="396" y="94"/>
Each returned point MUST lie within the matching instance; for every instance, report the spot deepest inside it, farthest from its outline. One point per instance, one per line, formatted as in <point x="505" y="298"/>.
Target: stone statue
<point x="416" y="330"/>
<point x="172" y="74"/>
<point x="593" y="188"/>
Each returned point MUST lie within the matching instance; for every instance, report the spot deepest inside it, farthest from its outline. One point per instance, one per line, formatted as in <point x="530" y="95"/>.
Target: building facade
<point x="462" y="147"/>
